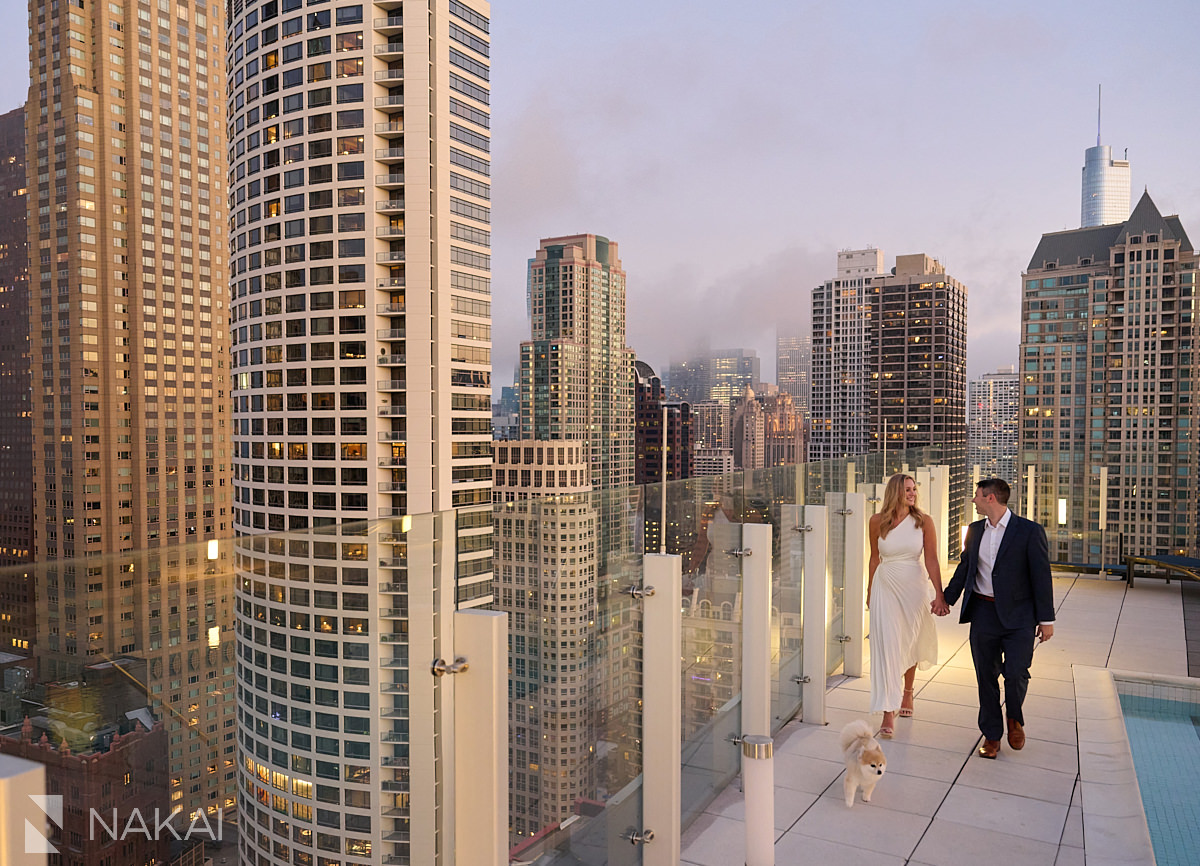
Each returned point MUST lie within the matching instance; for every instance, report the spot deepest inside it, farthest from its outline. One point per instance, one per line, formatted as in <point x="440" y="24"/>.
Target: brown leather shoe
<point x="989" y="749"/>
<point x="1016" y="735"/>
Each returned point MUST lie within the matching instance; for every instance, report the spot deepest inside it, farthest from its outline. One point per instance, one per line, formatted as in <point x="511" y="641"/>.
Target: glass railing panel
<point x="121" y="669"/>
<point x="576" y="683"/>
<point x="711" y="635"/>
<point x="835" y="632"/>
<point x="787" y="568"/>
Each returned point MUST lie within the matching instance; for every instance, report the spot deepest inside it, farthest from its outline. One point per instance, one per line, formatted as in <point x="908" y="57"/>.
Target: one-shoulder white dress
<point x="902" y="630"/>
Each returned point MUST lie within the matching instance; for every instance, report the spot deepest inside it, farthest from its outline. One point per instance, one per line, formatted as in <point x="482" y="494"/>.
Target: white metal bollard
<point x="758" y="781"/>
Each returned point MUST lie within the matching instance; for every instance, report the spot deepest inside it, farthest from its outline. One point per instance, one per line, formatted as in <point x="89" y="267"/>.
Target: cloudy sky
<point x="732" y="148"/>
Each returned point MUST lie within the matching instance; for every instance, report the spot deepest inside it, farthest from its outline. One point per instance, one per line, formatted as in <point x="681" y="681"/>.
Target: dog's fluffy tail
<point x="854" y="731"/>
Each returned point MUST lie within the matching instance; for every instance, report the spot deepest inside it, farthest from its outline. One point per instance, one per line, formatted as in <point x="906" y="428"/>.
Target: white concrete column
<point x="940" y="507"/>
<point x="481" y="738"/>
<point x="662" y="640"/>
<point x="24" y="823"/>
<point x="758" y="772"/>
<point x="1030" y="493"/>
<point x="854" y="596"/>
<point x="815" y="611"/>
<point x="756" y="629"/>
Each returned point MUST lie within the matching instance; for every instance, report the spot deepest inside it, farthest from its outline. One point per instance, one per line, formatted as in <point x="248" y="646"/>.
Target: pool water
<point x="1164" y="736"/>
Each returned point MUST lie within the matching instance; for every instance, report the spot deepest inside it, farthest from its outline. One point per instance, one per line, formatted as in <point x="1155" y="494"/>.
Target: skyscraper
<point x="993" y="421"/>
<point x="840" y="334"/>
<point x="129" y="348"/>
<point x="653" y="411"/>
<point x="1107" y="366"/>
<point x="793" y="368"/>
<point x="16" y="415"/>
<point x="889" y="362"/>
<point x="576" y="371"/>
<point x="360" y="229"/>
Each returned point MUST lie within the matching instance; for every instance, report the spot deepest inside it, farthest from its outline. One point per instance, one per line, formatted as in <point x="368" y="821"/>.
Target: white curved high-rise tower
<point x="1105" y="188"/>
<point x="360" y="278"/>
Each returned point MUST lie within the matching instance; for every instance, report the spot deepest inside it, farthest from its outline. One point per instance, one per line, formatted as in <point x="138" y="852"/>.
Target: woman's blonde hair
<point x="893" y="501"/>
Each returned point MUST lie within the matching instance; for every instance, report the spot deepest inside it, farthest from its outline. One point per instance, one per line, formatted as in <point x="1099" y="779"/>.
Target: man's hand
<point x="1045" y="631"/>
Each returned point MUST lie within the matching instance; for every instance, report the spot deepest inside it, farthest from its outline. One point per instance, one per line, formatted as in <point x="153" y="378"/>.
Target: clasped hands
<point x="939" y="607"/>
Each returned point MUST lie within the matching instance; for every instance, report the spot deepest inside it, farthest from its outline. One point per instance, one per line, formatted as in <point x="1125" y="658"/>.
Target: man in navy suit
<point x="1003" y="576"/>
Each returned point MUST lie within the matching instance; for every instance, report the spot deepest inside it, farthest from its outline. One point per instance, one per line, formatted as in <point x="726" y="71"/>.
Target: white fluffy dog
<point x="865" y="761"/>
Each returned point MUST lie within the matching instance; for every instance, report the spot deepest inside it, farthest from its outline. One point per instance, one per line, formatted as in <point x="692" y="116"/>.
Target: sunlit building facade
<point x="1107" y="369"/>
<point x="129" y="355"/>
<point x="359" y="166"/>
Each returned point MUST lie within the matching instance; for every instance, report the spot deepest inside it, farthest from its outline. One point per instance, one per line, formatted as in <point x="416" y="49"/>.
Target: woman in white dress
<point x="903" y="635"/>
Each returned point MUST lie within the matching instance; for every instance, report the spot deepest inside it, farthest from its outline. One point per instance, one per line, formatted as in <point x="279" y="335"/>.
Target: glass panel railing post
<point x="855" y="594"/>
<point x="814" y="611"/>
<point x="792" y="539"/>
<point x="835" y="632"/>
<point x="758" y="760"/>
<point x="480" y="736"/>
<point x="756" y="629"/>
<point x="662" y="718"/>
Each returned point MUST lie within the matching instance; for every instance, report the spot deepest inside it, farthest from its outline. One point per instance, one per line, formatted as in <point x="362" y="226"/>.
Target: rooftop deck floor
<point x="939" y="804"/>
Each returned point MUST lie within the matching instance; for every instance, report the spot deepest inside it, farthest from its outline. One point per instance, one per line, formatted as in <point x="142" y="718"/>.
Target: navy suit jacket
<point x="1021" y="580"/>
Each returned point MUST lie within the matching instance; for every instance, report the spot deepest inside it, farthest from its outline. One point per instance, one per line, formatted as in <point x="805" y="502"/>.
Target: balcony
<point x="394" y="588"/>
<point x="390" y="334"/>
<point x="389" y="231"/>
<point x="389" y="309"/>
<point x="390" y="129"/>
<point x="394" y="256"/>
<point x="392" y="487"/>
<point x="388" y="75"/>
<point x="389" y="50"/>
<point x="389" y="181"/>
<point x="391" y="24"/>
<point x="391" y="205"/>
<point x="389" y="103"/>
<point x="394" y="638"/>
<point x="389" y="360"/>
<point x="390" y="386"/>
<point x="389" y="154"/>
<point x="395" y="613"/>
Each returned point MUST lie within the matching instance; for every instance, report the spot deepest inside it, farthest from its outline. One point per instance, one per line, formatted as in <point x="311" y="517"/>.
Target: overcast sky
<point x="730" y="149"/>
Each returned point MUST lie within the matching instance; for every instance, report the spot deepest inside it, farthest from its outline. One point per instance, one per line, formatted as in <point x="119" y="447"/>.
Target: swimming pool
<point x="1163" y="724"/>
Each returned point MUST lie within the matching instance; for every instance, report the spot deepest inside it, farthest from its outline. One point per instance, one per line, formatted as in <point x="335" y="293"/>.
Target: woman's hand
<point x="938" y="606"/>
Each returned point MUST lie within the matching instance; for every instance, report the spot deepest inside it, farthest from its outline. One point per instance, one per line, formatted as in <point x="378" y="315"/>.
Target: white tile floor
<point x="939" y="804"/>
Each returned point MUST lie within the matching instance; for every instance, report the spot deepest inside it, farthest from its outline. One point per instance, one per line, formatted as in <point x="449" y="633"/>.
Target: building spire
<point x="1099" y="101"/>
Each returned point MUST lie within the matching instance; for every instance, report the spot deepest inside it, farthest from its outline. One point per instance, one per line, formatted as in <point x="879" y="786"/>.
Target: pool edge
<point x="1114" y="818"/>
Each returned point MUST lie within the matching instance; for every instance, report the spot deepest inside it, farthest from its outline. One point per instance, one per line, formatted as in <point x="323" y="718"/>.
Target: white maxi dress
<point x="902" y="630"/>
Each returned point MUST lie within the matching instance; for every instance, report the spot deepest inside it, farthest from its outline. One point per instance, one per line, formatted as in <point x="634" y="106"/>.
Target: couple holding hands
<point x="1003" y="577"/>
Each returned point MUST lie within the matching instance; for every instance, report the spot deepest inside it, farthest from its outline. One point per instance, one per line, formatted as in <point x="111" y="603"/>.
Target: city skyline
<point x="1006" y="63"/>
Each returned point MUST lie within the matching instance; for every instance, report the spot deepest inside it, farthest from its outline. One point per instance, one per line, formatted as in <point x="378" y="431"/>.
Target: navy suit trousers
<point x="998" y="651"/>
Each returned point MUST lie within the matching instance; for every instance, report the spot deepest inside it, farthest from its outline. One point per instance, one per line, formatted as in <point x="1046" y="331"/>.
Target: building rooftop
<point x="939" y="804"/>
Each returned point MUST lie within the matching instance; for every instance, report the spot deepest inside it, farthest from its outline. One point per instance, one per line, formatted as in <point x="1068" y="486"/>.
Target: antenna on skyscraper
<point x="1099" y="94"/>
